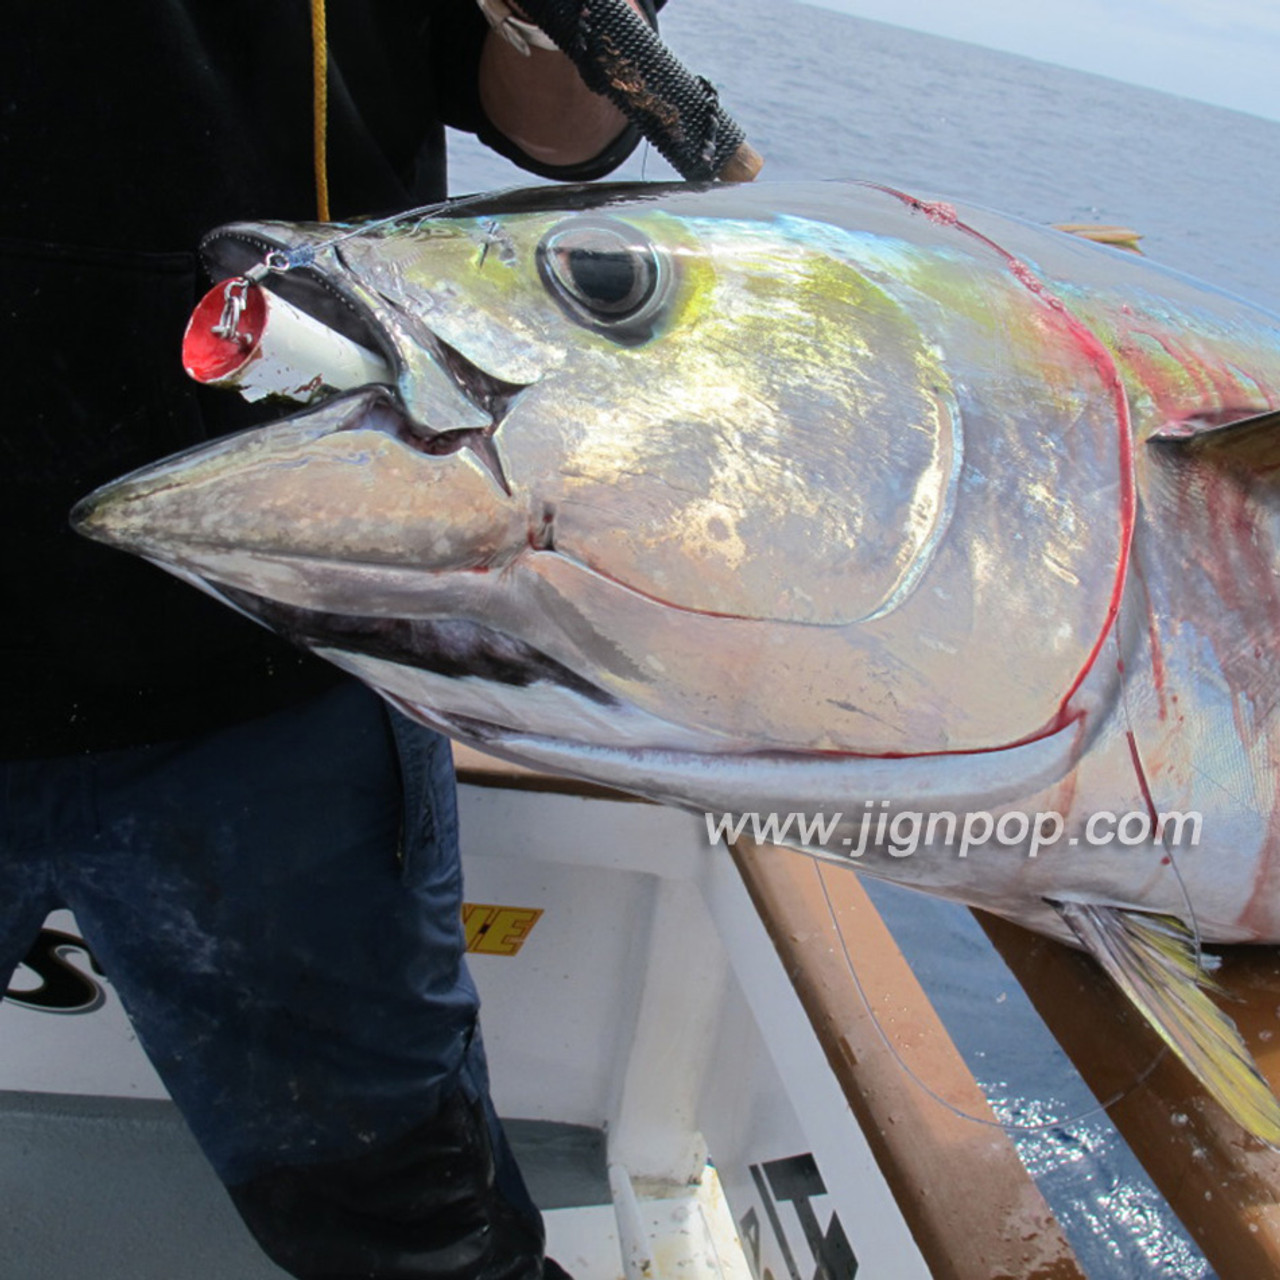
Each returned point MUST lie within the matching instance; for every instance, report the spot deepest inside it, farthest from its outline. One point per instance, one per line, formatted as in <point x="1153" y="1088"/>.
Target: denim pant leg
<point x="430" y="788"/>
<point x="280" y="914"/>
<point x="30" y="800"/>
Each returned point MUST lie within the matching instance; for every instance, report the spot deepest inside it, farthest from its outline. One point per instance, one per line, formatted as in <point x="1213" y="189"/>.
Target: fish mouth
<point x="455" y="648"/>
<point x="242" y="506"/>
<point x="381" y="408"/>
<point x="445" y="396"/>
<point x="475" y="682"/>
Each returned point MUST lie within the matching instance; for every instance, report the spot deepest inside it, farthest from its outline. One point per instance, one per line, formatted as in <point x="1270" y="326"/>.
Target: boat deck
<point x="116" y="1188"/>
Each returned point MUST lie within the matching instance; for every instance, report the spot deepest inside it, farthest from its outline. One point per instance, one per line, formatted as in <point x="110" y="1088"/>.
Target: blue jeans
<point x="278" y="907"/>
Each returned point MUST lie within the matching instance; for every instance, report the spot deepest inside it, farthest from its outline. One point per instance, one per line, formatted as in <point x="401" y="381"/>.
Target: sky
<point x="1222" y="51"/>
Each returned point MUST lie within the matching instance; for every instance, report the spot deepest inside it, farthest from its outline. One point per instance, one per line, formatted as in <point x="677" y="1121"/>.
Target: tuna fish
<point x="955" y="535"/>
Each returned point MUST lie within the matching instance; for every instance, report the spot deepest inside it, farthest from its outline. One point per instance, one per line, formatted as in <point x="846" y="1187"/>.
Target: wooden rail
<point x="973" y="1208"/>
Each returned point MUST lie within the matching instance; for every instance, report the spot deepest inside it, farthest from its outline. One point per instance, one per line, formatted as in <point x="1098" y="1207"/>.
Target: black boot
<point x="424" y="1207"/>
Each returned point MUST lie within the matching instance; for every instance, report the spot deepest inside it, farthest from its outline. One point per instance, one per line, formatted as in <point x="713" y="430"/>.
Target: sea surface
<point x="825" y="95"/>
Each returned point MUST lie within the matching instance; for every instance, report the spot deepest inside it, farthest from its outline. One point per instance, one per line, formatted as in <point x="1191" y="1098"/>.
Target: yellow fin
<point x="1153" y="961"/>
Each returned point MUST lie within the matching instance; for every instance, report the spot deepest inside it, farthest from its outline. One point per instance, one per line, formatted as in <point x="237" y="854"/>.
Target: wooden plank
<point x="973" y="1208"/>
<point x="1223" y="1184"/>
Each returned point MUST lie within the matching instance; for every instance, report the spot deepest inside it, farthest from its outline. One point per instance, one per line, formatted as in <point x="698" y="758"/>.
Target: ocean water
<point x="825" y="95"/>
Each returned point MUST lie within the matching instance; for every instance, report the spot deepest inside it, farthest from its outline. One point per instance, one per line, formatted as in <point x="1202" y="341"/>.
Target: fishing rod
<point x="619" y="56"/>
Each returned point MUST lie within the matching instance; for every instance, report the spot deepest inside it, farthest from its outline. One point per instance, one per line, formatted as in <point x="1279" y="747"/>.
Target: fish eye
<point x="606" y="274"/>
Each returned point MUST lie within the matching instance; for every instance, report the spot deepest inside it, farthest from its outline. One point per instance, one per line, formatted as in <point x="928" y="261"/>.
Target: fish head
<point x="649" y="469"/>
<point x="747" y="511"/>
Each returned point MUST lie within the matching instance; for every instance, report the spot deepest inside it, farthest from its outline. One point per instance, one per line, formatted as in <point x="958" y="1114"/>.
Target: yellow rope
<point x="320" y="105"/>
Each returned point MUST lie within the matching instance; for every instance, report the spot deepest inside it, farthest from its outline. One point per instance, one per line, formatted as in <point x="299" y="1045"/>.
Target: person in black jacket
<point x="263" y="858"/>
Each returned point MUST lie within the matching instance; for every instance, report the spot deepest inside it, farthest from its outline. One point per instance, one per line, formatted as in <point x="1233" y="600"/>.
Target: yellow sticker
<point x="497" y="931"/>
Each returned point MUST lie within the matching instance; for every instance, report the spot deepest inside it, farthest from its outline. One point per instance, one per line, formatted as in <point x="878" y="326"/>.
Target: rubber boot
<point x="425" y="1207"/>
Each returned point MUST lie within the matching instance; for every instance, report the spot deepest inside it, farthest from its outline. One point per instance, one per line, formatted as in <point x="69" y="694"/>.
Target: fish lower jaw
<point x="320" y="583"/>
<point x="533" y="704"/>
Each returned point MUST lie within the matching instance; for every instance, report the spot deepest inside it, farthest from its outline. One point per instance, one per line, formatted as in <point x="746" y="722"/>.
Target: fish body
<point x="821" y="499"/>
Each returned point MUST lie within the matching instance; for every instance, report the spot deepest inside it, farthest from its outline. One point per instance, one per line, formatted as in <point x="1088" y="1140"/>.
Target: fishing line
<point x="1009" y="1126"/>
<point x="1144" y="786"/>
<point x="1013" y="1126"/>
<point x="1192" y="919"/>
<point x="278" y="261"/>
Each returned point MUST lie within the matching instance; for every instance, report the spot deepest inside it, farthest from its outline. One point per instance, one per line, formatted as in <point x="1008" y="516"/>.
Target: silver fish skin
<point x="817" y="498"/>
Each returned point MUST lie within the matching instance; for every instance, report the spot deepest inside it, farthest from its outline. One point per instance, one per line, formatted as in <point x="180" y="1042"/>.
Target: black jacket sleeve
<point x="457" y="32"/>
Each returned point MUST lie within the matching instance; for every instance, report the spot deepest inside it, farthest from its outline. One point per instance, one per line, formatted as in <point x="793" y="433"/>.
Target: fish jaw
<point x="317" y="510"/>
<point x="342" y="530"/>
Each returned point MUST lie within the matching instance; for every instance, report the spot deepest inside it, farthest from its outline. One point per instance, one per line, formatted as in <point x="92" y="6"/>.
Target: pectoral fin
<point x="1222" y="428"/>
<point x="1153" y="961"/>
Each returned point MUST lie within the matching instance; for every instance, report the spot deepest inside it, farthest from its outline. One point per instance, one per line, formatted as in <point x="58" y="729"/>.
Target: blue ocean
<point x="825" y="95"/>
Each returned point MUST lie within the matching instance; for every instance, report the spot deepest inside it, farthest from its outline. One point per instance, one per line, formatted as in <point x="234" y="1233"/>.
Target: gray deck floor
<point x="116" y="1189"/>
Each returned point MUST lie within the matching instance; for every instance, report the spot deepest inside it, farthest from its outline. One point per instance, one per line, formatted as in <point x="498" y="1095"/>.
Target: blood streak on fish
<point x="1107" y="372"/>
